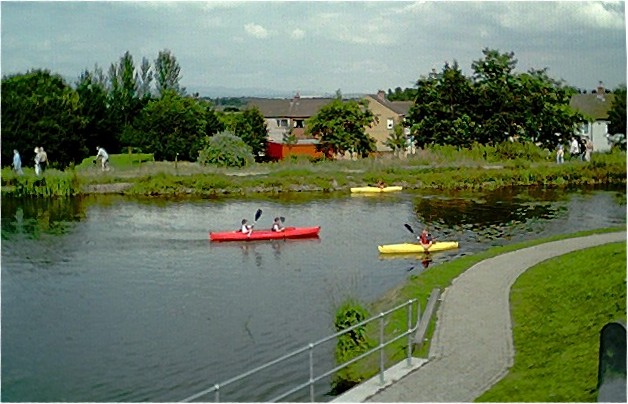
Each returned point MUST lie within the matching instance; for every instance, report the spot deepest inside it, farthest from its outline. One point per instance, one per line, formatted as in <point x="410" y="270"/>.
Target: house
<point x="389" y="113"/>
<point x="595" y="107"/>
<point x="286" y="117"/>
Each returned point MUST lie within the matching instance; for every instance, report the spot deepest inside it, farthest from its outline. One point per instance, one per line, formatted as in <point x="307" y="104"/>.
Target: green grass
<point x="438" y="168"/>
<point x="558" y="309"/>
<point x="420" y="286"/>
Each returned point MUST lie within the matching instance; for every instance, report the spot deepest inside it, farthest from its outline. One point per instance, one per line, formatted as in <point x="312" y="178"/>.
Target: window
<point x="390" y="123"/>
<point x="298" y="123"/>
<point x="585" y="128"/>
<point x="283" y="123"/>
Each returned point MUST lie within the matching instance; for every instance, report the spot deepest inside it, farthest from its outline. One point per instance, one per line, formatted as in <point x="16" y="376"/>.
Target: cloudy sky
<point x="316" y="47"/>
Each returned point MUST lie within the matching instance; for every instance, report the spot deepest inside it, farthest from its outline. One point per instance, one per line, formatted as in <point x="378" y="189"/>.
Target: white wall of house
<point x="597" y="131"/>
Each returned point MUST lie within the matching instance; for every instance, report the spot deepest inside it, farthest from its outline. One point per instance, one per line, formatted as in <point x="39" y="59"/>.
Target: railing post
<point x="381" y="348"/>
<point x="217" y="395"/>
<point x="409" y="349"/>
<point x="311" y="346"/>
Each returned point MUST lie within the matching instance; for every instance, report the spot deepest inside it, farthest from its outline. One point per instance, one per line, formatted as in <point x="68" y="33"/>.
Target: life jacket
<point x="425" y="238"/>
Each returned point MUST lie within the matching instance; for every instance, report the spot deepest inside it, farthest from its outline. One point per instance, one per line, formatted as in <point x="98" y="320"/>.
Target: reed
<point x="52" y="183"/>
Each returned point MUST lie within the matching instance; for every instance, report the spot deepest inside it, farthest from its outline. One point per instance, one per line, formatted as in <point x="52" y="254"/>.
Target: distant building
<point x="286" y="118"/>
<point x="389" y="113"/>
<point x="595" y="107"/>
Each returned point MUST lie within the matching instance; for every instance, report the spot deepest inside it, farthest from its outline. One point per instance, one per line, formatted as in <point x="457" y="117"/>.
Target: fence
<point x="414" y="334"/>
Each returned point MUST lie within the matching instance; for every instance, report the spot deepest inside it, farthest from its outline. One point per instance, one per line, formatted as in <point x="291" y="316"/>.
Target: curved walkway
<point x="472" y="347"/>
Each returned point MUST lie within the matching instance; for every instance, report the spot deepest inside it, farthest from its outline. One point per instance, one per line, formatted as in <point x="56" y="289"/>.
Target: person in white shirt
<point x="246" y="227"/>
<point x="277" y="225"/>
<point x="574" y="148"/>
<point x="104" y="158"/>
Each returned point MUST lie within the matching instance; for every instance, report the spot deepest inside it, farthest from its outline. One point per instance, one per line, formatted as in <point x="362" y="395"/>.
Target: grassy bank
<point x="558" y="310"/>
<point x="420" y="286"/>
<point x="442" y="168"/>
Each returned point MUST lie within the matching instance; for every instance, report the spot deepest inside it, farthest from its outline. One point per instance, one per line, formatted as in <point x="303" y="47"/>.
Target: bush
<point x="350" y="344"/>
<point x="225" y="150"/>
<point x="517" y="150"/>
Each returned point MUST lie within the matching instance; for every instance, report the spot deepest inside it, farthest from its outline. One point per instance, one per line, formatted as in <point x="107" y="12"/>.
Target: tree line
<point x="143" y="106"/>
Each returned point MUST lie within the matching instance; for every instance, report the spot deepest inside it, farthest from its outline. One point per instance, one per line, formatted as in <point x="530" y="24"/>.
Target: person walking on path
<point x="472" y="347"/>
<point x="17" y="162"/>
<point x="560" y="154"/>
<point x="43" y="159"/>
<point x="37" y="166"/>
<point x="574" y="148"/>
<point x="588" y="149"/>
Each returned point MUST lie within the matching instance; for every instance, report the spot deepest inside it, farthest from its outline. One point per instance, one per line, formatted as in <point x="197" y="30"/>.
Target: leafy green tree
<point x="250" y="125"/>
<point x="407" y="94"/>
<point x="443" y="113"/>
<point x="123" y="98"/>
<point x="617" y="113"/>
<point x="173" y="126"/>
<point x="144" y="78"/>
<point x="494" y="105"/>
<point x="340" y="127"/>
<point x="40" y="109"/>
<point x="225" y="150"/>
<point x="167" y="73"/>
<point x="397" y="140"/>
<point x="92" y="93"/>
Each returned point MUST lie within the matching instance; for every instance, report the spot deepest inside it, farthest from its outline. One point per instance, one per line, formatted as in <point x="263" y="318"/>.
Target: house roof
<point x="592" y="105"/>
<point x="399" y="107"/>
<point x="296" y="107"/>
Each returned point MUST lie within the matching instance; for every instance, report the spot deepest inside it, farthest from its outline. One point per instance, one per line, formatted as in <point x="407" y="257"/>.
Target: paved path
<point x="472" y="347"/>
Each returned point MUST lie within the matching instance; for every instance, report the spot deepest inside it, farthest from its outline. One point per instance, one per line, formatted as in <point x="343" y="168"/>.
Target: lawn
<point x="558" y="309"/>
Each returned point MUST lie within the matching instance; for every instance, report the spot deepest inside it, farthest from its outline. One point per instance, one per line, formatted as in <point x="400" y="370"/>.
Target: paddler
<point x="425" y="239"/>
<point x="277" y="226"/>
<point x="246" y="227"/>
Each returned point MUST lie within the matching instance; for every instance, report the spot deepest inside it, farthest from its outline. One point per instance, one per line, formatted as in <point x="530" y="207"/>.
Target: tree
<point x="40" y="109"/>
<point x="443" y="111"/>
<point x="173" y="126"/>
<point x="617" y="113"/>
<point x="124" y="102"/>
<point x="493" y="106"/>
<point x="167" y="73"/>
<point x="250" y="125"/>
<point x="340" y="127"/>
<point x="92" y="93"/>
<point x="144" y="78"/>
<point x="397" y="140"/>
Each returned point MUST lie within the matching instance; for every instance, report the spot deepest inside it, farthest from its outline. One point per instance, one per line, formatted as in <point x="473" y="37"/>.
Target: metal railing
<point x="421" y="323"/>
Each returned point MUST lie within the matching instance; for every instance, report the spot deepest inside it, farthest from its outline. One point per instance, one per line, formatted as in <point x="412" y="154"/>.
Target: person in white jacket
<point x="104" y="158"/>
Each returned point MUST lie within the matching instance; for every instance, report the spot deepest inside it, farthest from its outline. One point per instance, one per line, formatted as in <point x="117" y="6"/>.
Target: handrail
<point x="310" y="347"/>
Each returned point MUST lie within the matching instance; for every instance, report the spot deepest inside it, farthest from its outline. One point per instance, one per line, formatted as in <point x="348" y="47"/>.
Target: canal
<point x="111" y="298"/>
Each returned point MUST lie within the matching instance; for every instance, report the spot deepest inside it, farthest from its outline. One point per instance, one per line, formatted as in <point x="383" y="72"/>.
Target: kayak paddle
<point x="409" y="228"/>
<point x="258" y="214"/>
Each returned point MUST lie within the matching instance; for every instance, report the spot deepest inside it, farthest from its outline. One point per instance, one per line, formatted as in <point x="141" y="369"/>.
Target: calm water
<point x="117" y="299"/>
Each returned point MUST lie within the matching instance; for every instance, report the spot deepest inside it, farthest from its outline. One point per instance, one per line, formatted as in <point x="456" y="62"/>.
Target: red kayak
<point x="289" y="232"/>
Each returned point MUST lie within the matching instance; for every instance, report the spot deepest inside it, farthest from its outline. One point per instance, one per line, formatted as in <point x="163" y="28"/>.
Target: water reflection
<point x="33" y="217"/>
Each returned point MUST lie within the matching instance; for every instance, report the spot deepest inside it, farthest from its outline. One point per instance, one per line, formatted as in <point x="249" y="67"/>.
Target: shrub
<point x="350" y="344"/>
<point x="225" y="150"/>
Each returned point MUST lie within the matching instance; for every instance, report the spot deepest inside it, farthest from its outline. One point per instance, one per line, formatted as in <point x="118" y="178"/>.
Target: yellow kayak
<point x="406" y="248"/>
<point x="356" y="190"/>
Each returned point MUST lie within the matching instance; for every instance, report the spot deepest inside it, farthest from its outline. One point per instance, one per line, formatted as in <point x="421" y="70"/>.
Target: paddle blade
<point x="409" y="228"/>
<point x="283" y="219"/>
<point x="258" y="214"/>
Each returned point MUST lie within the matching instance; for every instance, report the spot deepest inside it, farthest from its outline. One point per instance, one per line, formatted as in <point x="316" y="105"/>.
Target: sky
<point x="228" y="48"/>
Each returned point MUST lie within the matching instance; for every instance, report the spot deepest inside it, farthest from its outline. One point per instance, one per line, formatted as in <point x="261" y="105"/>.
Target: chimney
<point x="600" y="91"/>
<point x="381" y="95"/>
